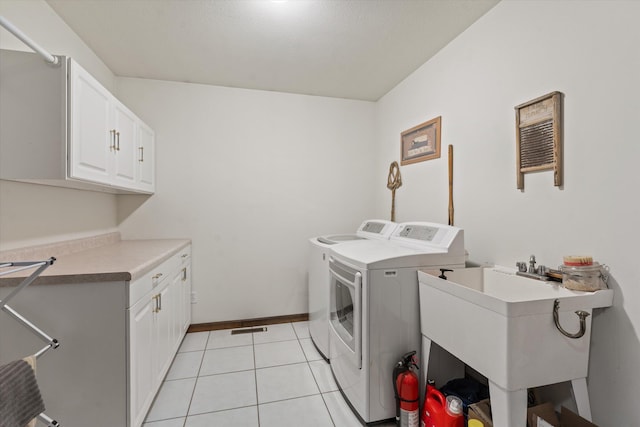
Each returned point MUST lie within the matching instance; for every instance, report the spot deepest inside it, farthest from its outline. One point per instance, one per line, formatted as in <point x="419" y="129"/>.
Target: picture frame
<point x="421" y="142"/>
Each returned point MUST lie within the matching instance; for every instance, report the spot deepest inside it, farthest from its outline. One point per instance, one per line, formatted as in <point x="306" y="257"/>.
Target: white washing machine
<point x="318" y="281"/>
<point x="375" y="309"/>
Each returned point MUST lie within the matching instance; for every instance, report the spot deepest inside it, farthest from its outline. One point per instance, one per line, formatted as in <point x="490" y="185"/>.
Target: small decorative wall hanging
<point x="394" y="181"/>
<point x="539" y="137"/>
<point x="421" y="142"/>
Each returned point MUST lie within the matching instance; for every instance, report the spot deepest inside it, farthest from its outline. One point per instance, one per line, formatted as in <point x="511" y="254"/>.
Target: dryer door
<point x="346" y="307"/>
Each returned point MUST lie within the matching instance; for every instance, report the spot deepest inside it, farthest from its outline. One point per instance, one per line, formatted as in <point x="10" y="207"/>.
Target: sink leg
<point x="426" y="351"/>
<point x="581" y="396"/>
<point x="508" y="408"/>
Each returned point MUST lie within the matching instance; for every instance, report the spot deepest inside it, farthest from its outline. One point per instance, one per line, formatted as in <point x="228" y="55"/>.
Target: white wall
<point x="518" y="51"/>
<point x="250" y="176"/>
<point x="33" y="214"/>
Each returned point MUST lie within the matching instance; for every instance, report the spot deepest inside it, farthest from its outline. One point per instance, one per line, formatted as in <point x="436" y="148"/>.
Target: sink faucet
<point x="532" y="265"/>
<point x="533" y="272"/>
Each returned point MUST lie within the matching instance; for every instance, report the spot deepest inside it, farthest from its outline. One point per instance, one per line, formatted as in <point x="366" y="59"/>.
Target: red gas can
<point x="441" y="411"/>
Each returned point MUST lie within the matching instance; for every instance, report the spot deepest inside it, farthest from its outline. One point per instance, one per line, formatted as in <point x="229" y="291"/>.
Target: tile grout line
<point x="255" y="375"/>
<point x="193" y="392"/>
<point x="316" y="380"/>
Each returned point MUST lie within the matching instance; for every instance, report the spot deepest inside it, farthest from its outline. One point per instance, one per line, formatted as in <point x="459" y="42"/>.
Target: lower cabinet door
<point x="185" y="301"/>
<point x="165" y="334"/>
<point x="141" y="366"/>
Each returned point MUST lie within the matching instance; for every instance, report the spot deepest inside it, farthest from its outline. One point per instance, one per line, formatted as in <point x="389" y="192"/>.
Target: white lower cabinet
<point x="141" y="345"/>
<point x="157" y="323"/>
<point x="117" y="337"/>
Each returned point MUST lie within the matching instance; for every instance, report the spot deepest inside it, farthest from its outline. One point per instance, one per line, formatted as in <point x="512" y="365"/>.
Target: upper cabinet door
<point x="91" y="141"/>
<point x="146" y="158"/>
<point x="125" y="146"/>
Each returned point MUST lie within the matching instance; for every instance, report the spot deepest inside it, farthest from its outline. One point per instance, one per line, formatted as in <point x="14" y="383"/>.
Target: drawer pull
<point x="112" y="146"/>
<point x="157" y="276"/>
<point x="155" y="299"/>
<point x="184" y="274"/>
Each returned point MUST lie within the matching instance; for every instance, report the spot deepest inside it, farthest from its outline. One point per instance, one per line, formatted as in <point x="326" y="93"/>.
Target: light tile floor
<point x="275" y="378"/>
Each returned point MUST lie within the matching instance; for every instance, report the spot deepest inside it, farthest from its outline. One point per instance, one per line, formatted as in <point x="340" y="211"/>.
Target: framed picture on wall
<point x="421" y="142"/>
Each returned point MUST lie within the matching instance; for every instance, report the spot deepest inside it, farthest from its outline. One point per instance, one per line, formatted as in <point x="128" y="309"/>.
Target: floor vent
<point x="248" y="331"/>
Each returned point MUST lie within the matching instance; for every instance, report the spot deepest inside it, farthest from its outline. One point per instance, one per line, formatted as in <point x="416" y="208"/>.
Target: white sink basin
<point x="502" y="324"/>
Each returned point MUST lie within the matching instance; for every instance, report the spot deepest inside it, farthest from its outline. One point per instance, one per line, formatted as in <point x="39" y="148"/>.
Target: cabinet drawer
<point x="185" y="255"/>
<point x="153" y="278"/>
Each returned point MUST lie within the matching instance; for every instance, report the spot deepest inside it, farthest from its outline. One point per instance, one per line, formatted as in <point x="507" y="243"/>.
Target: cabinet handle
<point x="155" y="299"/>
<point x="118" y="139"/>
<point x="141" y="159"/>
<point x="112" y="142"/>
<point x="156" y="276"/>
<point x="185" y="255"/>
<point x="159" y="302"/>
<point x="184" y="274"/>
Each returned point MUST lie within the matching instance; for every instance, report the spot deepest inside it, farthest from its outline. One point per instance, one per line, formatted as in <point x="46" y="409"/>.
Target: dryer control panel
<point x="419" y="232"/>
<point x="378" y="229"/>
<point x="429" y="234"/>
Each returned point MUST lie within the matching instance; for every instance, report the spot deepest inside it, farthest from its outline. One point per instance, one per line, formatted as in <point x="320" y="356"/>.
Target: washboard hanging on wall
<point x="539" y="137"/>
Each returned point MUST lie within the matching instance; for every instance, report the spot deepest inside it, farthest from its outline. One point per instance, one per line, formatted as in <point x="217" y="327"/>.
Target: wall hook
<point x="583" y="323"/>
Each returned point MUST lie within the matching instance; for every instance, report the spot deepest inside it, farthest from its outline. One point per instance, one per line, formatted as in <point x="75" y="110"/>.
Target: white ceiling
<point x="358" y="49"/>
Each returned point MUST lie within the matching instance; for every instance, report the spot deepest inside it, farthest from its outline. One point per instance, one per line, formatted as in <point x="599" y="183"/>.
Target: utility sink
<point x="502" y="325"/>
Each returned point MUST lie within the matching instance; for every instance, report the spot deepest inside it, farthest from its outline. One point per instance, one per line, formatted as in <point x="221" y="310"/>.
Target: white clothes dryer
<point x="318" y="281"/>
<point x="375" y="309"/>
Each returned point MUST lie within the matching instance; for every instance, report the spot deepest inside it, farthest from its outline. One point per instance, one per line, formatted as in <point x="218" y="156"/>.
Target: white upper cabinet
<point x="91" y="139"/>
<point x="107" y="140"/>
<point x="60" y="126"/>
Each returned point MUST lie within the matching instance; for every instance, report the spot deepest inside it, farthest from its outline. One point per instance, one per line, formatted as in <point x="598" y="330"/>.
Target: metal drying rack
<point x="51" y="342"/>
<point x="41" y="265"/>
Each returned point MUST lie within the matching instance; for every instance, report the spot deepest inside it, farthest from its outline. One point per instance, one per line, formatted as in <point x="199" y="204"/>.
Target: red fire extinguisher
<point x="406" y="389"/>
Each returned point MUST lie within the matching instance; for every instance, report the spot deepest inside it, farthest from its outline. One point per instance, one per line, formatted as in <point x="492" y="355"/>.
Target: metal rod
<point x="50" y="422"/>
<point x="16" y="270"/>
<point x="53" y="344"/>
<point x="26" y="40"/>
<point x="25" y="322"/>
<point x="27" y="281"/>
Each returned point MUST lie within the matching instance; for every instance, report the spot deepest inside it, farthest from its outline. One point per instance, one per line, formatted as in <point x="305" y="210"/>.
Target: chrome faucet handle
<point x="522" y="266"/>
<point x="541" y="270"/>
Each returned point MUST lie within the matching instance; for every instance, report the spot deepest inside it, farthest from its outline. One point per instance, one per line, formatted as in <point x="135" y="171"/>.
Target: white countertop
<point x="111" y="260"/>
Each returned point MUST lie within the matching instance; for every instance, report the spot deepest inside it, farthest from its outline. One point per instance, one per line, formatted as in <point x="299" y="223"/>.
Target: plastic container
<point x="433" y="412"/>
<point x="455" y="416"/>
<point x="584" y="278"/>
<point x="475" y="423"/>
<point x="440" y="410"/>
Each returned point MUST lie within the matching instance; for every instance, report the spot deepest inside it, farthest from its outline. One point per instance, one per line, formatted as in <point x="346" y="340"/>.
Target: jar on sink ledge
<point x="584" y="277"/>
